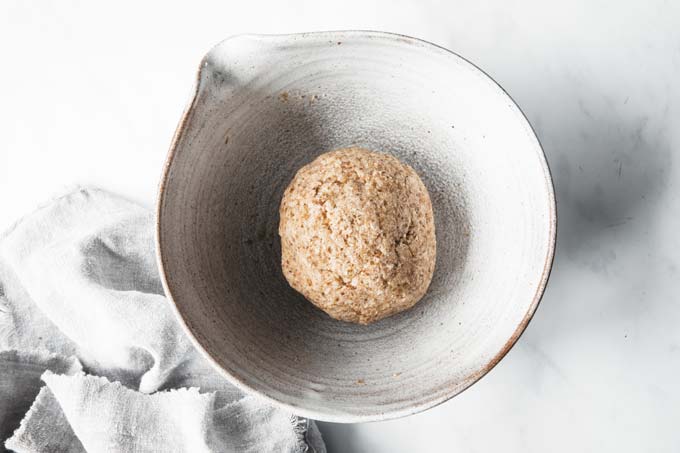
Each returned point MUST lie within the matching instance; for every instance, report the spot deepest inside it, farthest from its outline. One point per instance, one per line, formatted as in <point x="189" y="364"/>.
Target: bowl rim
<point x="410" y="408"/>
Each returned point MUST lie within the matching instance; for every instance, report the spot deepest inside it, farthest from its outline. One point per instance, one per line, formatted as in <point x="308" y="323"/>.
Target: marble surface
<point x="91" y="94"/>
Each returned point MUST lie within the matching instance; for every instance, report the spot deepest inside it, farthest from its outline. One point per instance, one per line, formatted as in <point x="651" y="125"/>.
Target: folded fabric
<point x="20" y="382"/>
<point x="78" y="279"/>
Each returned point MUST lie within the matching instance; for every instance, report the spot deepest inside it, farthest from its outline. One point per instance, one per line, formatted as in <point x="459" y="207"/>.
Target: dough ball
<point x="357" y="235"/>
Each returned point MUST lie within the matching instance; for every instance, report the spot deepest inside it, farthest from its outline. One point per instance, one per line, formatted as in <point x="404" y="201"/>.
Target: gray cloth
<point x="82" y="311"/>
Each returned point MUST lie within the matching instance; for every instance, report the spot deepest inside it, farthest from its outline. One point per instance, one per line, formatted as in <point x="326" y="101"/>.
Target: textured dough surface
<point x="357" y="235"/>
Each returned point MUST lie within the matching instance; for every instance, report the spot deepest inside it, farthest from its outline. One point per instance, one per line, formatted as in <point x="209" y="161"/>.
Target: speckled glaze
<point x="266" y="105"/>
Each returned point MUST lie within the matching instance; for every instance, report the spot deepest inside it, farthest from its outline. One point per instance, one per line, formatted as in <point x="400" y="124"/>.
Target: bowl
<point x="263" y="107"/>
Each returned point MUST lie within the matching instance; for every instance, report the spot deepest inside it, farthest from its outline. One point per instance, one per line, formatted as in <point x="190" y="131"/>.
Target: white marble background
<point x="90" y="93"/>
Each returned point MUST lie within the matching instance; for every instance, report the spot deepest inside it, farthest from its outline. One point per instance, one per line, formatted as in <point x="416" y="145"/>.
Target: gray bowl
<point x="266" y="105"/>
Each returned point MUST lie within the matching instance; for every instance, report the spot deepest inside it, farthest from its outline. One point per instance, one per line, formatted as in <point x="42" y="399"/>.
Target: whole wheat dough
<point x="357" y="235"/>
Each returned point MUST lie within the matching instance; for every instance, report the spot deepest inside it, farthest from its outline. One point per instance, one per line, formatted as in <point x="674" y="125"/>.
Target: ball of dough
<point x="357" y="235"/>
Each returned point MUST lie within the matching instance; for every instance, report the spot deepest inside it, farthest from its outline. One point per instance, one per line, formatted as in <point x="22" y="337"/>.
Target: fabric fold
<point x="45" y="428"/>
<point x="78" y="277"/>
<point x="86" y="260"/>
<point x="20" y="382"/>
<point x="107" y="416"/>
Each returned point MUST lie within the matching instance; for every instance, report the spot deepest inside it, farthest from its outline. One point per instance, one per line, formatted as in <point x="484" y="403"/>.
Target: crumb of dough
<point x="357" y="235"/>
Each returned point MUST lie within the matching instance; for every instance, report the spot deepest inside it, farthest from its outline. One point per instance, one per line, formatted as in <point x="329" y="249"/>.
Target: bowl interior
<point x="265" y="106"/>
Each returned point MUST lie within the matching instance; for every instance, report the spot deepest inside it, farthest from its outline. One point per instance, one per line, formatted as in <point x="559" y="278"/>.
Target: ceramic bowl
<point x="266" y="105"/>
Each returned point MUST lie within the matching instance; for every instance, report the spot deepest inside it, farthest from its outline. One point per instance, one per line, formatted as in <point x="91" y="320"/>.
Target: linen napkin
<point x="92" y="354"/>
